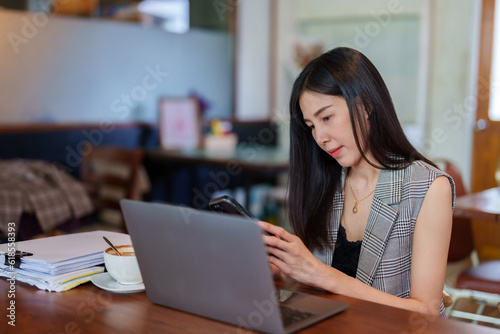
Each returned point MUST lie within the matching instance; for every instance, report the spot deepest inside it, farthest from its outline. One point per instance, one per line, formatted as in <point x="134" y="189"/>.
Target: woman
<point x="372" y="216"/>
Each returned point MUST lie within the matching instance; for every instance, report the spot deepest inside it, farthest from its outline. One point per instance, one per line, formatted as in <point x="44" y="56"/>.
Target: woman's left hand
<point x="288" y="253"/>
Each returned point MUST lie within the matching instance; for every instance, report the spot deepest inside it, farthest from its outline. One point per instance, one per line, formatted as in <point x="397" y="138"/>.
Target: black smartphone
<point x="227" y="204"/>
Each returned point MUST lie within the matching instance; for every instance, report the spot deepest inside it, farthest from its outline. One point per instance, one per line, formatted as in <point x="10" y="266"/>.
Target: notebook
<point x="215" y="266"/>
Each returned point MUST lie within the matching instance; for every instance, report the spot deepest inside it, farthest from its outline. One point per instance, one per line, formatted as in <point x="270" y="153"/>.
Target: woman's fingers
<point x="276" y="252"/>
<point x="274" y="230"/>
<point x="287" y="253"/>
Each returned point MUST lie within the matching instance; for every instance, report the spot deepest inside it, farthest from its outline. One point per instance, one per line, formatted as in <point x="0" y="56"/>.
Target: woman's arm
<point x="429" y="256"/>
<point x="431" y="241"/>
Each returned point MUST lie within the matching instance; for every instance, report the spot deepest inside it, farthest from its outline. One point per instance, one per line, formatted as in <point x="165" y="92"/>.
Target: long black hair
<point x="314" y="176"/>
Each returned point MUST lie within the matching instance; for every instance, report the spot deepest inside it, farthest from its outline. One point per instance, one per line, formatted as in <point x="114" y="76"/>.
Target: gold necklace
<point x="356" y="201"/>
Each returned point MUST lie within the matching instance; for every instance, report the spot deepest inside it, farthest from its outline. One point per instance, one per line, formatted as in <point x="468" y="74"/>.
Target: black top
<point x="346" y="255"/>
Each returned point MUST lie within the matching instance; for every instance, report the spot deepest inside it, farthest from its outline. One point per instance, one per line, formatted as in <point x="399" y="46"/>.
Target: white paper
<point x="62" y="262"/>
<point x="68" y="246"/>
<point x="55" y="283"/>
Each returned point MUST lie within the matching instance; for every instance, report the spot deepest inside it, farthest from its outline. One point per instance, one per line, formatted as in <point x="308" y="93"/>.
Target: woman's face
<point x="328" y="118"/>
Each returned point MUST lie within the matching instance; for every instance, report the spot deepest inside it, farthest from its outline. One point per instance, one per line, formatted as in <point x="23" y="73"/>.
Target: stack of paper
<point x="62" y="262"/>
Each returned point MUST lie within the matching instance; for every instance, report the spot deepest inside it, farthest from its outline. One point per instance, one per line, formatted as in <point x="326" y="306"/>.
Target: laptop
<point x="215" y="265"/>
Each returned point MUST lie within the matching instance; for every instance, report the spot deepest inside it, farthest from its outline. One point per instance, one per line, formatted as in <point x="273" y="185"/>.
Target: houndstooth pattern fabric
<point x="39" y="187"/>
<point x="385" y="257"/>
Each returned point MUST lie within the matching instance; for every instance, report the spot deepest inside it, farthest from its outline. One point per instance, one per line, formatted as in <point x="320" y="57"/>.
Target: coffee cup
<point x="124" y="269"/>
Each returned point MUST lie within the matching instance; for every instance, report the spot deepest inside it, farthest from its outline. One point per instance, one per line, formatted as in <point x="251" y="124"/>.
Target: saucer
<point x="106" y="282"/>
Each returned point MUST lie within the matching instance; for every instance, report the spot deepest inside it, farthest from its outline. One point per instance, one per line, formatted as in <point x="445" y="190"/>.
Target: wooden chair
<point x="110" y="173"/>
<point x="479" y="281"/>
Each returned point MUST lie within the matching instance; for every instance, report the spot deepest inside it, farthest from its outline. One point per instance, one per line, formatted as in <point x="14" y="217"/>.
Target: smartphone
<point x="227" y="204"/>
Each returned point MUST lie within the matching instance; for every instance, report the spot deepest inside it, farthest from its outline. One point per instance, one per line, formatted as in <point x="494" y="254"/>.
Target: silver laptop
<point x="215" y="266"/>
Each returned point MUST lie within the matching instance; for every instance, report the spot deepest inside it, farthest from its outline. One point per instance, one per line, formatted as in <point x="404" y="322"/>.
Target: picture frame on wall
<point x="179" y="123"/>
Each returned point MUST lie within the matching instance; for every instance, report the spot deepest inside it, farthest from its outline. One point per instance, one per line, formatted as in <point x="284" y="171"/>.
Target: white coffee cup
<point x="124" y="269"/>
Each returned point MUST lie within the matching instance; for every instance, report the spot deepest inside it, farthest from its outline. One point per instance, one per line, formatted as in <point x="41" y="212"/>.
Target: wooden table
<point x="484" y="205"/>
<point x="256" y="158"/>
<point x="89" y="310"/>
<point x="247" y="162"/>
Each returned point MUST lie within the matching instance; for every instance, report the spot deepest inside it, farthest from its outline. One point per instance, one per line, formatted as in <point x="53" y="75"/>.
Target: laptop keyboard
<point x="291" y="316"/>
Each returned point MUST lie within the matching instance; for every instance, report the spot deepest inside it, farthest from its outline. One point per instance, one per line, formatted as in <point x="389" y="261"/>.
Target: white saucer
<point x="106" y="282"/>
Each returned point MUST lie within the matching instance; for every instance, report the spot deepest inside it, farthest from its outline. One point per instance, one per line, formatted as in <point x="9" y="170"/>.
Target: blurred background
<point x="76" y="75"/>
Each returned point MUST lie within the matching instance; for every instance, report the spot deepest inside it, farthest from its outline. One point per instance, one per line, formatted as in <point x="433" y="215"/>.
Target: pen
<point x="21" y="254"/>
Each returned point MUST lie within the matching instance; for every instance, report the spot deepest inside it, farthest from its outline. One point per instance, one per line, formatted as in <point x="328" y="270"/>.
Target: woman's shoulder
<point x="415" y="171"/>
<point x="425" y="167"/>
<point x="420" y="171"/>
